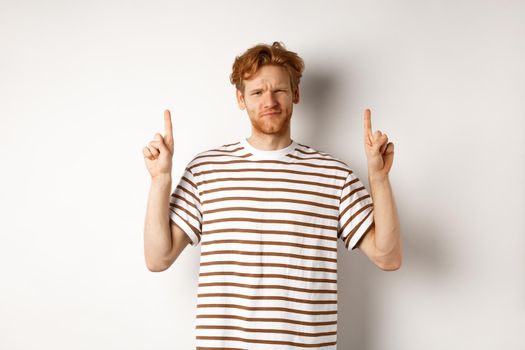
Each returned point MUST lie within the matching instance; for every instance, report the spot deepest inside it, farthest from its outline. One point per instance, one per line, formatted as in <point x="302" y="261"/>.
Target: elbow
<point x="391" y="261"/>
<point x="391" y="264"/>
<point x="391" y="267"/>
<point x="155" y="266"/>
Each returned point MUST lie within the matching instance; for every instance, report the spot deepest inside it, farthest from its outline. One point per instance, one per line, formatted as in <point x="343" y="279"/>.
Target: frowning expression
<point x="268" y="99"/>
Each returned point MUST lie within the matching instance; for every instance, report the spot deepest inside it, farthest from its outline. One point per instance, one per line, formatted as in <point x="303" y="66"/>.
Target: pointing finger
<point x="368" y="126"/>
<point x="168" y="129"/>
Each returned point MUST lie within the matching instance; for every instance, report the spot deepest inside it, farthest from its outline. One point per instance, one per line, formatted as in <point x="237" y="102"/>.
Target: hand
<point x="159" y="152"/>
<point x="379" y="152"/>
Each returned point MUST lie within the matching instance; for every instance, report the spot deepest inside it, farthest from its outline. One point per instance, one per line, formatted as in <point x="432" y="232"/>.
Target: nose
<point x="269" y="101"/>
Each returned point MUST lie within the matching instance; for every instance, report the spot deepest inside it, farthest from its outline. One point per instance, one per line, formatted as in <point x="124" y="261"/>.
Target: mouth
<point x="270" y="114"/>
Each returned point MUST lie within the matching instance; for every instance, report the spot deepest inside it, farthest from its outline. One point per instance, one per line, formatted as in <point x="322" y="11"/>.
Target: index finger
<point x="167" y="126"/>
<point x="368" y="124"/>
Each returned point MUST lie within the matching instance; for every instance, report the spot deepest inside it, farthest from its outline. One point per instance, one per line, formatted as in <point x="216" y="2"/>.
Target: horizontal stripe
<point x="304" y="149"/>
<point x="273" y="200"/>
<point x="287" y="266"/>
<point x="247" y="155"/>
<point x="262" y="308"/>
<point x="269" y="189"/>
<point x="262" y="330"/>
<point x="262" y="210"/>
<point x="268" y="319"/>
<point x="290" y="222"/>
<point x="251" y="297"/>
<point x="262" y="275"/>
<point x="270" y="170"/>
<point x="305" y="246"/>
<point x="272" y="232"/>
<point x="265" y="180"/>
<point x="305" y="164"/>
<point x="316" y="158"/>
<point x="240" y="252"/>
<point x="268" y="286"/>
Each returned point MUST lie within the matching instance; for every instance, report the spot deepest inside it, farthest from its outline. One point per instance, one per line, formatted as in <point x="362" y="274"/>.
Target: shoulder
<point x="219" y="152"/>
<point x="307" y="152"/>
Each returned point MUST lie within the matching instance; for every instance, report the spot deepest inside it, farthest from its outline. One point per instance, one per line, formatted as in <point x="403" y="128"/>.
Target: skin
<point x="159" y="152"/>
<point x="270" y="91"/>
<point x="382" y="244"/>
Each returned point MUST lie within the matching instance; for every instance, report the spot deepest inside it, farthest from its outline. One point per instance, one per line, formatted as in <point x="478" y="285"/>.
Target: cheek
<point x="286" y="102"/>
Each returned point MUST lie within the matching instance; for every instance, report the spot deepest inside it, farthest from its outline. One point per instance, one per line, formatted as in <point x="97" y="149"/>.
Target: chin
<point x="274" y="127"/>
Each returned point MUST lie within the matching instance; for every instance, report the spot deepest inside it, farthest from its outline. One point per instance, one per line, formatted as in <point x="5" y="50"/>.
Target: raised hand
<point x="159" y="152"/>
<point x="379" y="152"/>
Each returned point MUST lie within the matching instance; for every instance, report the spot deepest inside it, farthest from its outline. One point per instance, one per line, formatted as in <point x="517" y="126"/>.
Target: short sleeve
<point x="356" y="215"/>
<point x="185" y="207"/>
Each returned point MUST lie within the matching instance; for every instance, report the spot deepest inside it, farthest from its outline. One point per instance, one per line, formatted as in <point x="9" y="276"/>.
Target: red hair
<point x="247" y="65"/>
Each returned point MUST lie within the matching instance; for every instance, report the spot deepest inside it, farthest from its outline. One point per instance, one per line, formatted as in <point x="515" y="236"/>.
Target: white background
<point x="83" y="86"/>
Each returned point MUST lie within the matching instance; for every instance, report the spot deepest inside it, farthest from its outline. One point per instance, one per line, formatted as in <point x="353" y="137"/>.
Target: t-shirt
<point x="268" y="223"/>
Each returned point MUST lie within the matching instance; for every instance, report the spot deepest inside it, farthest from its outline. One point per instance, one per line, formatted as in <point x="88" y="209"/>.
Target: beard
<point x="272" y="125"/>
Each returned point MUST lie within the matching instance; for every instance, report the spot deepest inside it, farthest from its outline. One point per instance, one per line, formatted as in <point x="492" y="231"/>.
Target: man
<point x="268" y="212"/>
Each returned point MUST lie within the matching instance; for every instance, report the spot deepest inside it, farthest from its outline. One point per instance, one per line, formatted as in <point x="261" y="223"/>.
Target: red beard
<point x="278" y="124"/>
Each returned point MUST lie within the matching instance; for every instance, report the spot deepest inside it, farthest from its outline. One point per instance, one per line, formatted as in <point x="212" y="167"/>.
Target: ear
<point x="240" y="99"/>
<point x="296" y="95"/>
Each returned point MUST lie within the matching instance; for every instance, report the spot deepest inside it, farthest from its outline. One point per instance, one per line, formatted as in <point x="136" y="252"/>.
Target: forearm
<point x="387" y="230"/>
<point x="157" y="232"/>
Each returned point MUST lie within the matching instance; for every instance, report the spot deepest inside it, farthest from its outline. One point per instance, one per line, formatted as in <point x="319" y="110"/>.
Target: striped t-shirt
<point x="268" y="223"/>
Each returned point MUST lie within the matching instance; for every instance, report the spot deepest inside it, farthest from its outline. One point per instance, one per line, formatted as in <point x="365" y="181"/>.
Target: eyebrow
<point x="281" y="87"/>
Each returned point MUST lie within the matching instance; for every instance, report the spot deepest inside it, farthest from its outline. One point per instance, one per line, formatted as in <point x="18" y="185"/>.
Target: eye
<point x="256" y="93"/>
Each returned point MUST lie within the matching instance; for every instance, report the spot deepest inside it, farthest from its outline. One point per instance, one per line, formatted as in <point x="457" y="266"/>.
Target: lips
<point x="271" y="113"/>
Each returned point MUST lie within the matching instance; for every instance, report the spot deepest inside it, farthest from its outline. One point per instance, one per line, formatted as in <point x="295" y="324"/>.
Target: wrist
<point x="377" y="177"/>
<point x="163" y="179"/>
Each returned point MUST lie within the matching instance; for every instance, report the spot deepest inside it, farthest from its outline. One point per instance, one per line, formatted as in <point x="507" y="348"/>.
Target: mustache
<point x="270" y="112"/>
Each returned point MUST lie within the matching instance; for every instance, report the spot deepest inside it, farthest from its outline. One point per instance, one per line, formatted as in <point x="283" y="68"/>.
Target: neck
<point x="269" y="142"/>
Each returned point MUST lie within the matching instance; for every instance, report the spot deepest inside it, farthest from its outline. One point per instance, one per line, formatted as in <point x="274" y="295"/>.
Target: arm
<point x="162" y="243"/>
<point x="163" y="240"/>
<point x="382" y="244"/>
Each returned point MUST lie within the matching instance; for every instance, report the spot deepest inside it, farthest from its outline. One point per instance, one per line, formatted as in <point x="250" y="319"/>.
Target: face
<point x="269" y="100"/>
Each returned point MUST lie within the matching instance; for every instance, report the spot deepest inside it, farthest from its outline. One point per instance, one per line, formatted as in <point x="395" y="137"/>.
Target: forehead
<point x="269" y="74"/>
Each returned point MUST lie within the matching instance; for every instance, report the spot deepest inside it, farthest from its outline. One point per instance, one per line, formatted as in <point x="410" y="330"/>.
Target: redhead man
<point x="268" y="212"/>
